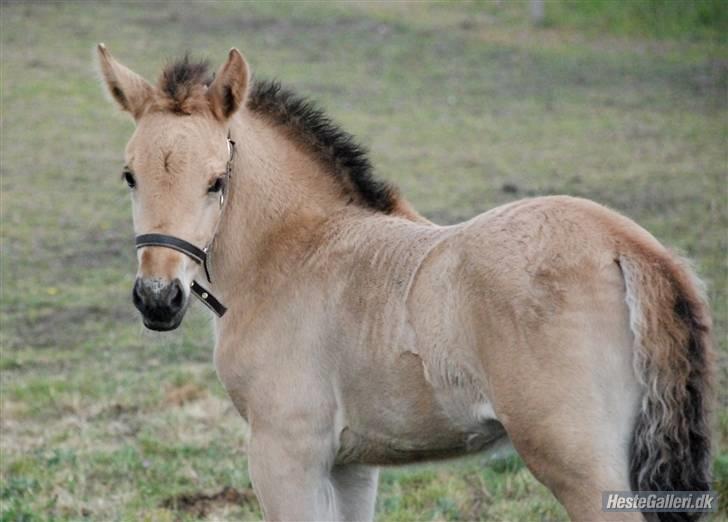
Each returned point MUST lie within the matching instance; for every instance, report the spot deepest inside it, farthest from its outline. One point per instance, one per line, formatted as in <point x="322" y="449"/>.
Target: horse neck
<point x="278" y="198"/>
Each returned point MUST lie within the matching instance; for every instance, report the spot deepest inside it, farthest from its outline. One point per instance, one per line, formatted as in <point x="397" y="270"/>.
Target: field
<point x="465" y="106"/>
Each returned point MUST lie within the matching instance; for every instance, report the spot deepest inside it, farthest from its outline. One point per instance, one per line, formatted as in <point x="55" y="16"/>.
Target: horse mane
<point x="182" y="85"/>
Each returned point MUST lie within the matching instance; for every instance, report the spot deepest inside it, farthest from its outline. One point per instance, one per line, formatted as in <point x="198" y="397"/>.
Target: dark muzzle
<point x="198" y="255"/>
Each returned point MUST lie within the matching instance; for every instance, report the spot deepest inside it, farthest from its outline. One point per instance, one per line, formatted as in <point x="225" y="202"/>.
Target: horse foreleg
<point x="291" y="476"/>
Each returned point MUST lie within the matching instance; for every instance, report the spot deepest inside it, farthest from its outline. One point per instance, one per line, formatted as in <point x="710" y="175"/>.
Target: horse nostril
<point x="136" y="294"/>
<point x="177" y="295"/>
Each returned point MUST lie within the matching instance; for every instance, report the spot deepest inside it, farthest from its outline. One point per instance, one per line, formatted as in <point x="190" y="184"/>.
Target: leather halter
<point x="198" y="255"/>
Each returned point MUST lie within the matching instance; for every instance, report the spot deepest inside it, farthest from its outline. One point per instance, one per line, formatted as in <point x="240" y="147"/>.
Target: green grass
<point x="464" y="106"/>
<point x="694" y="20"/>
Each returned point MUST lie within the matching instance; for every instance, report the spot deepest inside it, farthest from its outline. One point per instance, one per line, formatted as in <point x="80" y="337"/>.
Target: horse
<point x="353" y="333"/>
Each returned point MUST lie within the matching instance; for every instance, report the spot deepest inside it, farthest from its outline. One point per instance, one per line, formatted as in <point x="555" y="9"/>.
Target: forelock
<point x="182" y="86"/>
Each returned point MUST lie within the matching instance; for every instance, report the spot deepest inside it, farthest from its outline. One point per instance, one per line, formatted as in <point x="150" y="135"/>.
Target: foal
<point x="359" y="334"/>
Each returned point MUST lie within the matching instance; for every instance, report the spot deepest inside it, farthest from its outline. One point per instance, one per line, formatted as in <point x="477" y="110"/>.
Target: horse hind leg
<point x="568" y="401"/>
<point x="577" y="465"/>
<point x="579" y="449"/>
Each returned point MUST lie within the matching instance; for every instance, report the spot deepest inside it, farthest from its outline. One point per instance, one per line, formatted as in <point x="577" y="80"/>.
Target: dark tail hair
<point x="675" y="362"/>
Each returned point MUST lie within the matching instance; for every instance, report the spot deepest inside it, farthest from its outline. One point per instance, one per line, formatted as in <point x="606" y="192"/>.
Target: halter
<point x="198" y="255"/>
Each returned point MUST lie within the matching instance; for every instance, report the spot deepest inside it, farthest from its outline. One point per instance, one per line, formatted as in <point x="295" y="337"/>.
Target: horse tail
<point x="675" y="364"/>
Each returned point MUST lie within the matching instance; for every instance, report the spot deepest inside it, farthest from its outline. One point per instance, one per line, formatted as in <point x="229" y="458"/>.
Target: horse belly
<point x="397" y="417"/>
<point x="365" y="446"/>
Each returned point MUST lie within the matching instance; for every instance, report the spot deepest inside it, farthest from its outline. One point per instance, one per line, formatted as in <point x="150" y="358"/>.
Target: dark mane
<point x="336" y="148"/>
<point x="182" y="86"/>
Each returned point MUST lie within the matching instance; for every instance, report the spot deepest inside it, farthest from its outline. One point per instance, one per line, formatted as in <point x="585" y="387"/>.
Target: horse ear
<point x="230" y="87"/>
<point x="131" y="91"/>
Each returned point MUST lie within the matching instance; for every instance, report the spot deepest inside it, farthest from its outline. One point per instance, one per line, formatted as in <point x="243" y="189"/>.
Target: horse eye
<point x="216" y="186"/>
<point x="129" y="178"/>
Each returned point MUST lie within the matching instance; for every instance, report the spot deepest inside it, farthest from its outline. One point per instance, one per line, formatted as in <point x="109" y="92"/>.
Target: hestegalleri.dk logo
<point x="660" y="501"/>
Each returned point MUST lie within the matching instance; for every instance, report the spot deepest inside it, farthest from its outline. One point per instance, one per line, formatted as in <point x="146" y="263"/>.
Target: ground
<point x="465" y="106"/>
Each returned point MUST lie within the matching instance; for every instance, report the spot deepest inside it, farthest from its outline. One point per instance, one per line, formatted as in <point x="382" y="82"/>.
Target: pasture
<point x="464" y="106"/>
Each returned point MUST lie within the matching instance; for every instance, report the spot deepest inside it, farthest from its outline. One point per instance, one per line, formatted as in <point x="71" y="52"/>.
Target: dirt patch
<point x="200" y="505"/>
<point x="114" y="411"/>
<point x="510" y="188"/>
<point x="180" y="395"/>
<point x="63" y="326"/>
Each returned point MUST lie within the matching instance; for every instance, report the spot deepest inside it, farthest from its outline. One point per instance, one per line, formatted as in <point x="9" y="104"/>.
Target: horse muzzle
<point x="161" y="303"/>
<point x="198" y="255"/>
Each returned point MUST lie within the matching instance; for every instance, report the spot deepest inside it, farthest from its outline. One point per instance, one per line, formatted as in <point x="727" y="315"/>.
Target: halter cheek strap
<point x="208" y="299"/>
<point x="198" y="255"/>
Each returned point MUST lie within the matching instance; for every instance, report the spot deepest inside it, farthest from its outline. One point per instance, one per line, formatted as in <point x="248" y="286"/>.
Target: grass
<point x="465" y="106"/>
<point x="696" y="20"/>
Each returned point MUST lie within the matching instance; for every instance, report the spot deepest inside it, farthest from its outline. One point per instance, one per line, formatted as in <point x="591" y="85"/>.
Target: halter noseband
<point x="198" y="255"/>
